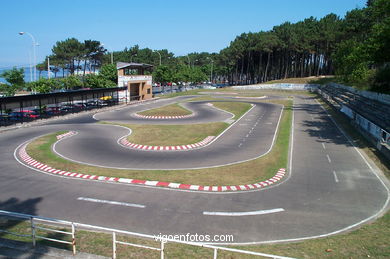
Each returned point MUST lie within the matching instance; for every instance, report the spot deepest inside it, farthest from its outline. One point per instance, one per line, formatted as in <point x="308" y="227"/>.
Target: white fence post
<point x="73" y="240"/>
<point x="113" y="245"/>
<point x="162" y="249"/>
<point x="215" y="253"/>
<point x="33" y="231"/>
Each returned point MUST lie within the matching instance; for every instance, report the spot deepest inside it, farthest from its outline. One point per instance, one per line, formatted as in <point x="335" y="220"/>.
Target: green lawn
<point x="173" y="135"/>
<point x="168" y="110"/>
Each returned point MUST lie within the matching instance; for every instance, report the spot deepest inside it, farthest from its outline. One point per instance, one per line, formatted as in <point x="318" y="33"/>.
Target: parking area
<point x="25" y="108"/>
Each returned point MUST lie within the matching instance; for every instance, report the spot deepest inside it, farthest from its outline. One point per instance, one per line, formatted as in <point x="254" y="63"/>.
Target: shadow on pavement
<point x="12" y="246"/>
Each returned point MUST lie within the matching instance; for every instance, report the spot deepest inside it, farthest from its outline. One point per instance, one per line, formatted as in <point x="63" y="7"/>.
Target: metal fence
<point x="34" y="220"/>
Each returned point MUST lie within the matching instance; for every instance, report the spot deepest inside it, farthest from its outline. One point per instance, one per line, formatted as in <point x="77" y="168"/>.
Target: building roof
<point x="74" y="93"/>
<point x="121" y="65"/>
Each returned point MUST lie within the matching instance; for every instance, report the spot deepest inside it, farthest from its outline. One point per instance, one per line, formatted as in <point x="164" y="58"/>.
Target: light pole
<point x="48" y="67"/>
<point x="34" y="52"/>
<point x="193" y="63"/>
<point x="112" y="54"/>
<point x="158" y="54"/>
<point x="131" y="58"/>
<point x="211" y="73"/>
<point x="189" y="61"/>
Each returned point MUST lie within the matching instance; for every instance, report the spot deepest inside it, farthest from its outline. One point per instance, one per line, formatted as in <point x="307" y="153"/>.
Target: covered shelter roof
<point x="121" y="65"/>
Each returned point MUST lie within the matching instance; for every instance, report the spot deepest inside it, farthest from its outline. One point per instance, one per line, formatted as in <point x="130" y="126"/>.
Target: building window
<point x="129" y="72"/>
<point x="148" y="91"/>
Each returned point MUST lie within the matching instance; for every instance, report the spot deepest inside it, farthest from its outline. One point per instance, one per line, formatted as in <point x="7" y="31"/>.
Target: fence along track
<point x="79" y="226"/>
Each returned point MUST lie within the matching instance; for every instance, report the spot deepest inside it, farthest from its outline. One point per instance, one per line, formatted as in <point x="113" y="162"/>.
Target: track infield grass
<point x="168" y="110"/>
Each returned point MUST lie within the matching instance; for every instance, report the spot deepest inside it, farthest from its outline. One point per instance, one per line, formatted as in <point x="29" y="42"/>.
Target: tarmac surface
<point x="330" y="188"/>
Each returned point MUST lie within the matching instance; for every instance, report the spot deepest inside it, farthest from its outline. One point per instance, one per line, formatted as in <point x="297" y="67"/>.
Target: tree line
<point x="355" y="48"/>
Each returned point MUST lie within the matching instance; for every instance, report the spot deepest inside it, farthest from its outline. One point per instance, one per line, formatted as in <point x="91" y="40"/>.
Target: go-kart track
<point x="329" y="187"/>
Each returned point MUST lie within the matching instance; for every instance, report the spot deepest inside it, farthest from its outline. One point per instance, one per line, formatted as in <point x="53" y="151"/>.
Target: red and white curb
<point x="29" y="161"/>
<point x="200" y="144"/>
<point x="67" y="134"/>
<point x="164" y="117"/>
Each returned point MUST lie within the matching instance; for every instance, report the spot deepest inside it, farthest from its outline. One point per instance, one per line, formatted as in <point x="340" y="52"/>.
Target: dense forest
<point x="355" y="48"/>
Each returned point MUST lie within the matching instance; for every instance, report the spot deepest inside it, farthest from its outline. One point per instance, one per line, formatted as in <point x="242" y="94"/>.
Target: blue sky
<point x="177" y="25"/>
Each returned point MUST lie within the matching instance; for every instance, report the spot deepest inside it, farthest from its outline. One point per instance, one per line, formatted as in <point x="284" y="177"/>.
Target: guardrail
<point x="73" y="225"/>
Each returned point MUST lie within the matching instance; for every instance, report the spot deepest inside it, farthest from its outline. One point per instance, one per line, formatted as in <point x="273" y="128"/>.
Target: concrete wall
<point x="277" y="87"/>
<point x="123" y="80"/>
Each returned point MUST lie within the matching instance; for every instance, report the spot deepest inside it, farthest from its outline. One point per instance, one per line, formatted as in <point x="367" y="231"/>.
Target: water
<point x="28" y="74"/>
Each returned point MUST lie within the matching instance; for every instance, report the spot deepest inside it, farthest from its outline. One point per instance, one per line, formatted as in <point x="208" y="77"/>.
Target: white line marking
<point x="330" y="161"/>
<point x="323" y="146"/>
<point x="236" y="214"/>
<point x="111" y="202"/>
<point x="335" y="177"/>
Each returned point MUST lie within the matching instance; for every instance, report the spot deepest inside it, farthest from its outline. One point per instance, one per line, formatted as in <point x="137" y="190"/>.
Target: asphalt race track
<point x="330" y="187"/>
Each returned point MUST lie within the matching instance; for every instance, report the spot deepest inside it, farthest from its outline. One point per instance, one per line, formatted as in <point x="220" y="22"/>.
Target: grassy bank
<point x="169" y="110"/>
<point x="370" y="241"/>
<point x="243" y="173"/>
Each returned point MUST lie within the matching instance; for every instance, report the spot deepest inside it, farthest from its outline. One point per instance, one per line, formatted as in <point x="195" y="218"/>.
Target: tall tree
<point x="15" y="79"/>
<point x="71" y="51"/>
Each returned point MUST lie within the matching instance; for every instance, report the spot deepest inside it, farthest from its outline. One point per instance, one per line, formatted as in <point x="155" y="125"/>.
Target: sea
<point x="29" y="74"/>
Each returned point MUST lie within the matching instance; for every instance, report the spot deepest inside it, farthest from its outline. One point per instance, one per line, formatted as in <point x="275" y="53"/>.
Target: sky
<point x="180" y="26"/>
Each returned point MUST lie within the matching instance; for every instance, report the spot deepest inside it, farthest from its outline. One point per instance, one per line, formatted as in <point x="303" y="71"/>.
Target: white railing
<point x="55" y="222"/>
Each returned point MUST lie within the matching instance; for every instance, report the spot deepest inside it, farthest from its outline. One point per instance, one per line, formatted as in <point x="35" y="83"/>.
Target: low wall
<point x="279" y="86"/>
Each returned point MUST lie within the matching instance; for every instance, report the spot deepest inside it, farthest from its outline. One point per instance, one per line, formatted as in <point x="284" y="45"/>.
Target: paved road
<point x="330" y="188"/>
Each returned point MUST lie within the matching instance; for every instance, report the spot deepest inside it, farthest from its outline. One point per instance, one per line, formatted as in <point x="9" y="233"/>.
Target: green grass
<point x="303" y="80"/>
<point x="173" y="135"/>
<point x="168" y="110"/>
<point x="243" y="173"/>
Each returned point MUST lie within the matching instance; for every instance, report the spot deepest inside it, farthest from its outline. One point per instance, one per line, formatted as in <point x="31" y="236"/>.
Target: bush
<point x="97" y="81"/>
<point x="381" y="81"/>
<point x="72" y="82"/>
